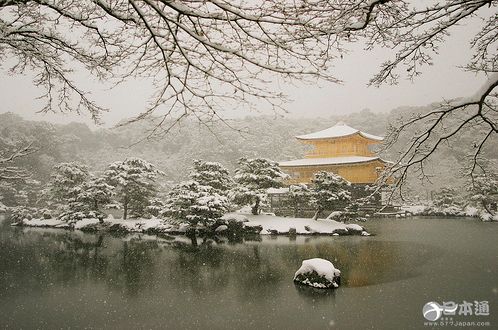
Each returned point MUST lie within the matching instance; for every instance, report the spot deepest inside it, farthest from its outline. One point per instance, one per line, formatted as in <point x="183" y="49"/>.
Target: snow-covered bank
<point x="110" y="224"/>
<point x="241" y="223"/>
<point x="452" y="211"/>
<point x="302" y="226"/>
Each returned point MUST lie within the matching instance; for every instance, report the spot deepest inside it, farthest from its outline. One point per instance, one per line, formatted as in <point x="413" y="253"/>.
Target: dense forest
<point x="270" y="137"/>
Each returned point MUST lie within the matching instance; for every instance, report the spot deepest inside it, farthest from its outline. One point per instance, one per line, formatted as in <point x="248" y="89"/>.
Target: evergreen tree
<point x="65" y="178"/>
<point x="203" y="198"/>
<point x="212" y="174"/>
<point x="180" y="198"/>
<point x="134" y="180"/>
<point x="254" y="177"/>
<point x="94" y="193"/>
<point x="155" y="207"/>
<point x="192" y="202"/>
<point x="484" y="190"/>
<point x="446" y="197"/>
<point x="327" y="191"/>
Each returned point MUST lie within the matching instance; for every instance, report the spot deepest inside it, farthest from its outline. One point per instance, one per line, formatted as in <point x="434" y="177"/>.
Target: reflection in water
<point x="38" y="258"/>
<point x="160" y="282"/>
<point x="315" y="294"/>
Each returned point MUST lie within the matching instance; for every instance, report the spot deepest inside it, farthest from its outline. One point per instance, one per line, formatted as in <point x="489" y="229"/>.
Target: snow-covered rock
<point x="221" y="228"/>
<point x="415" y="209"/>
<point x="42" y="222"/>
<point x="244" y="210"/>
<point x="86" y="224"/>
<point x="153" y="225"/>
<point x="318" y="273"/>
<point x="235" y="217"/>
<point x="335" y="215"/>
<point x="354" y="227"/>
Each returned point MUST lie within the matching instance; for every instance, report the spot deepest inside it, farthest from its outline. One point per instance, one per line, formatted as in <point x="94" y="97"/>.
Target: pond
<point x="51" y="278"/>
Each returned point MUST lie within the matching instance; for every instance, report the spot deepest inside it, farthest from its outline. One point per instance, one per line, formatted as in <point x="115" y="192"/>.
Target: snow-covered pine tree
<point x="446" y="197"/>
<point x="327" y="190"/>
<point x="155" y="207"/>
<point x="134" y="180"/>
<point x="193" y="202"/>
<point x="180" y="198"/>
<point x="94" y="193"/>
<point x="212" y="174"/>
<point x="254" y="177"/>
<point x="484" y="190"/>
<point x="65" y="178"/>
<point x="208" y="207"/>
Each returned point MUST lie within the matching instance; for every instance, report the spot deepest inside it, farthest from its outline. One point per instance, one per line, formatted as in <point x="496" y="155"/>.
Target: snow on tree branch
<point x="8" y="155"/>
<point x="208" y="56"/>
<point x="441" y="126"/>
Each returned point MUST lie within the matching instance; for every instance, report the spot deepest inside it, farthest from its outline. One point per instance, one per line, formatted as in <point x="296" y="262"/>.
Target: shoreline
<point x="232" y="224"/>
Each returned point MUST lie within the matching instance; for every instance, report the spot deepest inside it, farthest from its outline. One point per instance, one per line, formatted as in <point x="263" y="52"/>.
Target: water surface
<point x="53" y="278"/>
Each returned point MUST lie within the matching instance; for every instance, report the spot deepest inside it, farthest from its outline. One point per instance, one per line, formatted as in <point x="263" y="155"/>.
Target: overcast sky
<point x="444" y="80"/>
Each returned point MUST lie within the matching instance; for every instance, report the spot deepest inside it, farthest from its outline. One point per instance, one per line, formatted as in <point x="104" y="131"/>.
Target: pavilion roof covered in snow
<point x="328" y="161"/>
<point x="338" y="130"/>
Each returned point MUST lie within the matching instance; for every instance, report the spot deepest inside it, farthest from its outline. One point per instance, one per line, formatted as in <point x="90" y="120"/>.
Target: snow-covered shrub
<point x="20" y="213"/>
<point x="73" y="216"/>
<point x="328" y="191"/>
<point x="483" y="192"/>
<point x="235" y="224"/>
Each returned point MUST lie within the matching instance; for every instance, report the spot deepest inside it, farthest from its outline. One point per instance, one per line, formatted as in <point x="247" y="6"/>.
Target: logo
<point x="432" y="311"/>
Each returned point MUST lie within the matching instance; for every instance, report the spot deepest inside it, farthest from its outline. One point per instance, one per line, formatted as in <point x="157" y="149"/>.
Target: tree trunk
<point x="190" y="233"/>
<point x="485" y="205"/>
<point x="125" y="207"/>
<point x="317" y="214"/>
<point x="255" y="208"/>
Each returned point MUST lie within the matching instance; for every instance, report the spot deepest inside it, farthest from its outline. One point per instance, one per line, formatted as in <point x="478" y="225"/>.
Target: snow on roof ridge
<point x="338" y="130"/>
<point x="328" y="161"/>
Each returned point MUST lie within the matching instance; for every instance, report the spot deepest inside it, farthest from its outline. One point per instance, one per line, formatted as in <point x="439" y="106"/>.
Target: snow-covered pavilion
<point x="340" y="149"/>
